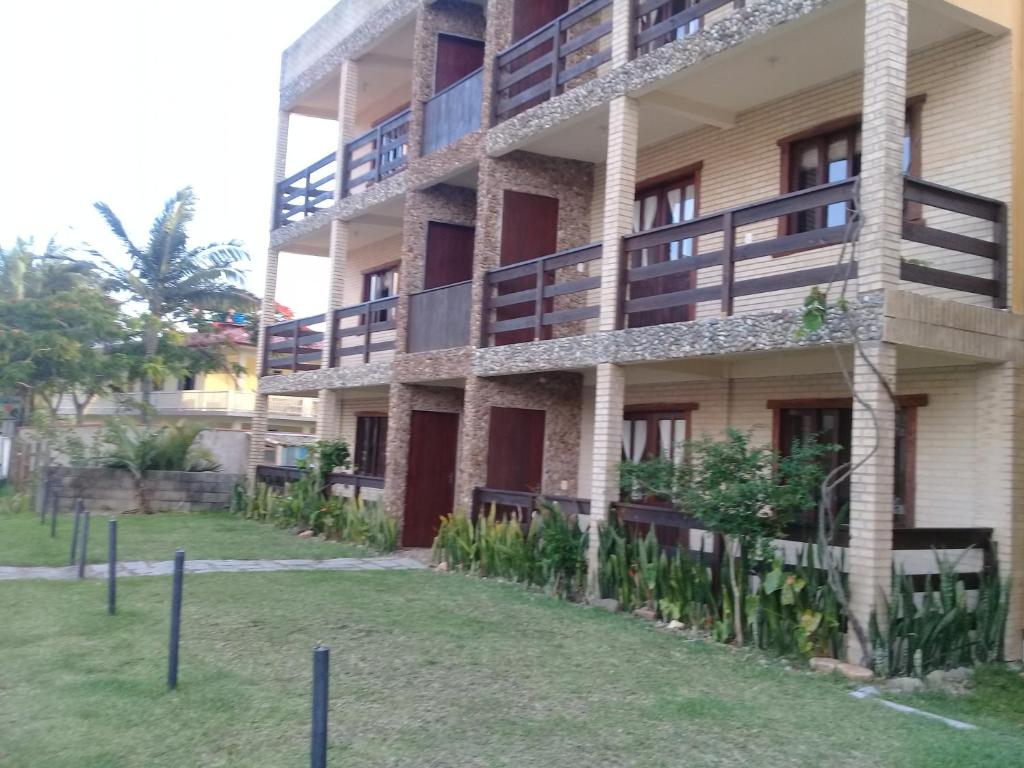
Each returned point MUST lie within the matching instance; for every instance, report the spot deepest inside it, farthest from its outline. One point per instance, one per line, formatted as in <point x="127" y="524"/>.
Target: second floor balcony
<point x="198" y="403"/>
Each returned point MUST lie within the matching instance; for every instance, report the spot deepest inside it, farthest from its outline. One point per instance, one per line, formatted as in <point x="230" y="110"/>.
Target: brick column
<point x="881" y="205"/>
<point x="622" y="31"/>
<point x="280" y="159"/>
<point x="268" y="307"/>
<point x="609" y="400"/>
<point x="1000" y="485"/>
<point x="619" y="194"/>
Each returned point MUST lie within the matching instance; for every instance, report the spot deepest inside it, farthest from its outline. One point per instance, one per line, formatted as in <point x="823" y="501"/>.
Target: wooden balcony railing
<point x="296" y="345"/>
<point x="439" y="317"/>
<point x="520" y="299"/>
<point x="452" y="113"/>
<point x="307" y="192"/>
<point x="360" y="323"/>
<point x="552" y="58"/>
<point x="648" y="291"/>
<point x="521" y="504"/>
<point x="278" y="477"/>
<point x="656" y="25"/>
<point x="987" y="213"/>
<point x="377" y="154"/>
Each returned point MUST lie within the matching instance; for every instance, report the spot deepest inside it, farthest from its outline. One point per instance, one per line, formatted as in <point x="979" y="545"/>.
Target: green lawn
<point x="427" y="669"/>
<point x="204" y="535"/>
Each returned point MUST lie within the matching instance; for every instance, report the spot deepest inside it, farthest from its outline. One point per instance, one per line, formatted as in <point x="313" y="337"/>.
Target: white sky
<point x="126" y="101"/>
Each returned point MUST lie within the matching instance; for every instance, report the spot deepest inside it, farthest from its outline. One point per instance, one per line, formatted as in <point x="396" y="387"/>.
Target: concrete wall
<point x="112" y="491"/>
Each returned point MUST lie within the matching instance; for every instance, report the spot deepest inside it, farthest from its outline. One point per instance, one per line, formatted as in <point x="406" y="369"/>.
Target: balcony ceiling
<point x="821" y="47"/>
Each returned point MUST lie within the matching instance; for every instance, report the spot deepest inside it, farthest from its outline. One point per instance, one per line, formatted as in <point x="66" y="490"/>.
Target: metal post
<point x="44" y="493"/>
<point x="54" y="504"/>
<point x="321" y="667"/>
<point x="74" y="531"/>
<point x="172" y="654"/>
<point x="112" y="567"/>
<point x="83" y="555"/>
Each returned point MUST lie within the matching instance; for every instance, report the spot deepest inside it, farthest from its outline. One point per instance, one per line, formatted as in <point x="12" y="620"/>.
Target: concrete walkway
<point x="166" y="567"/>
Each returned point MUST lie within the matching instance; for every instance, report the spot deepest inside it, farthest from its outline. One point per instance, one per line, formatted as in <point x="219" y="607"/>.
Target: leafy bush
<point x="551" y="553"/>
<point x="171" y="448"/>
<point x="942" y="630"/>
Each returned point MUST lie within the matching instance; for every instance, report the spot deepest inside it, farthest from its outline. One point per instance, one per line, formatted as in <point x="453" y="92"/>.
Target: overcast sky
<point x="126" y="101"/>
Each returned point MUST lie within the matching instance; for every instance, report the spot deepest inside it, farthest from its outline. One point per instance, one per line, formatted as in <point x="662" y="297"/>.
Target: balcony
<point x="377" y="154"/>
<point x="361" y="333"/>
<point x="705" y="267"/>
<point x="199" y="402"/>
<point x="307" y="192"/>
<point x="439" y="317"/>
<point x="562" y="54"/>
<point x="452" y="113"/>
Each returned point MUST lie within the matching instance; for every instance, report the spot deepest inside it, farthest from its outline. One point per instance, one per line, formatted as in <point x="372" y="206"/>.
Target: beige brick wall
<point x="965" y="144"/>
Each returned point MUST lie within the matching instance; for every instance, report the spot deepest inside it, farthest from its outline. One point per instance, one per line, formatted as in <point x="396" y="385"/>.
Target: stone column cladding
<point x="1001" y="484"/>
<point x="872" y="452"/>
<point x="451" y="17"/>
<point x="497" y="37"/>
<point x="443" y="203"/>
<point x="619" y="195"/>
<point x="571" y="181"/>
<point x="559" y="394"/>
<point x="609" y="401"/>
<point x="881" y="205"/>
<point x="402" y="401"/>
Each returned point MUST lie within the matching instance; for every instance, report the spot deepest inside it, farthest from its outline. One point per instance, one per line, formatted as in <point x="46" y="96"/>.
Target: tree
<point x="58" y="329"/>
<point x="744" y="492"/>
<point x="176" y="284"/>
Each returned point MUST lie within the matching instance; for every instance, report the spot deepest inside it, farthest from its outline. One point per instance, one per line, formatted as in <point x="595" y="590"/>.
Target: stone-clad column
<point x="1000" y="482"/>
<point x="609" y="400"/>
<point x="619" y="194"/>
<point x="881" y="205"/>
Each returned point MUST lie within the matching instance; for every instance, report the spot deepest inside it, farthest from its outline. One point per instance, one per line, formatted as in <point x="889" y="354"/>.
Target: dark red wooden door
<point x="449" y="257"/>
<point x="529" y="229"/>
<point x="515" y="449"/>
<point x="528" y="15"/>
<point x="430" y="481"/>
<point x="456" y="58"/>
<point x="670" y="203"/>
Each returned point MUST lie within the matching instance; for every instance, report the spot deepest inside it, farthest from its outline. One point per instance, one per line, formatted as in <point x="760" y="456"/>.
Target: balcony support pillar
<point x="622" y="31"/>
<point x="257" y="437"/>
<point x="348" y="93"/>
<point x="609" y="401"/>
<point x="619" y="194"/>
<point x="874" y="374"/>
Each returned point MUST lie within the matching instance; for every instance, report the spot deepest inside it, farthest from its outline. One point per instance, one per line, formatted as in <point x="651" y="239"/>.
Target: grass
<point x="204" y="535"/>
<point x="427" y="669"/>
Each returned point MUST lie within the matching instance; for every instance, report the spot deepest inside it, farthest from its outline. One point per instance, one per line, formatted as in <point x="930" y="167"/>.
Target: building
<point x="561" y="233"/>
<point x="217" y="399"/>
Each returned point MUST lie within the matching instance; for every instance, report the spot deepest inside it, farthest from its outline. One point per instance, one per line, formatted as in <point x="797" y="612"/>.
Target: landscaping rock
<point x="855" y="672"/>
<point x="904" y="685"/>
<point x="306" y="535"/>
<point x="952" y="681"/>
<point x="824" y="664"/>
<point x="609" y="604"/>
<point x="443" y="566"/>
<point x="645" y="613"/>
<point x="674" y="624"/>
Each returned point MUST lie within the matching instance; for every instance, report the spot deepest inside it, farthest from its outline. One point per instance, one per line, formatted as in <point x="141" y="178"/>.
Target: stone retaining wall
<point x="113" y="490"/>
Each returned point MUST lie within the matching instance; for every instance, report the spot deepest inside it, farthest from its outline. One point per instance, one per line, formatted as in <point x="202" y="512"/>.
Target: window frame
<point x="382" y="315"/>
<point x="360" y="448"/>
<point x="908" y="403"/>
<point x="852" y="123"/>
<point x="653" y="412"/>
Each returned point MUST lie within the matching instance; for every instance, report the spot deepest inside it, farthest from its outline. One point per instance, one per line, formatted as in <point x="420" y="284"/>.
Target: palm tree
<point x="27" y="274"/>
<point x="175" y="283"/>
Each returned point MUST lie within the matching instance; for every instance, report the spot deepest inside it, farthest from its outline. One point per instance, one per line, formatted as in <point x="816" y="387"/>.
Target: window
<point x="371" y="444"/>
<point x="381" y="284"/>
<point x="832" y="153"/>
<point x="831" y="421"/>
<point x="655" y="431"/>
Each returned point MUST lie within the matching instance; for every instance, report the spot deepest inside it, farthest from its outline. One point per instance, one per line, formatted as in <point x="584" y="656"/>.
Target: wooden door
<point x="456" y="58"/>
<point x="515" y="449"/>
<point x="527" y="16"/>
<point x="529" y="230"/>
<point x="449" y="257"/>
<point x="430" y="481"/>
<point x="656" y="206"/>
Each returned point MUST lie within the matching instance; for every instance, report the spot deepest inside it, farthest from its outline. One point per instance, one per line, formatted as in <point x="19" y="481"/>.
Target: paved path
<point x="165" y="567"/>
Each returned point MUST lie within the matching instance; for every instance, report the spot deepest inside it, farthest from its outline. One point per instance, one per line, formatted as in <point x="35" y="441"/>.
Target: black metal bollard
<point x="54" y="504"/>
<point x="44" y="494"/>
<point x="83" y="554"/>
<point x="74" y="531"/>
<point x="112" y="567"/>
<point x="172" y="653"/>
<point x="321" y="668"/>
